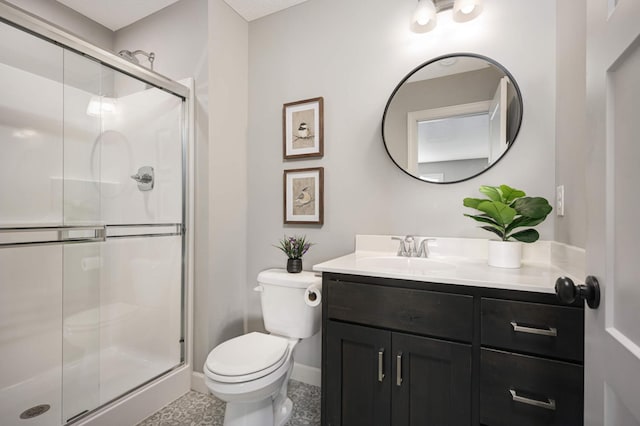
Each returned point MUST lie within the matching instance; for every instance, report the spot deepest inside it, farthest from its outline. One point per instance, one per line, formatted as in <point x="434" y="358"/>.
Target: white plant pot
<point x="505" y="254"/>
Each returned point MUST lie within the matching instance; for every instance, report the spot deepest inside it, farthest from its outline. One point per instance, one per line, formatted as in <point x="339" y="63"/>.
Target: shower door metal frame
<point x="23" y="20"/>
<point x="19" y="18"/>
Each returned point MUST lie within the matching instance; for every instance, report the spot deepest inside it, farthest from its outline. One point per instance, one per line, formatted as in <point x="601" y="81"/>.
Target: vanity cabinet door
<point x="431" y="382"/>
<point x="358" y="377"/>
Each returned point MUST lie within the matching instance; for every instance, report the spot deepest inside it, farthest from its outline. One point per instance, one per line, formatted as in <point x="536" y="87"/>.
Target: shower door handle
<point x="48" y="235"/>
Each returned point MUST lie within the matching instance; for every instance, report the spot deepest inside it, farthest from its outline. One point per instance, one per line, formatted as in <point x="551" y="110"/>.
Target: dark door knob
<point x="568" y="292"/>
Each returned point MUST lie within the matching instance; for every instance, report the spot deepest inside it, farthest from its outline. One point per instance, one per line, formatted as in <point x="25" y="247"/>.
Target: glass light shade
<point x="424" y="18"/>
<point x="466" y="10"/>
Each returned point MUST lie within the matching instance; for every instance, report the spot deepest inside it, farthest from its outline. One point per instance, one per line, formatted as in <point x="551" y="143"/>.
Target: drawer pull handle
<point x="550" y="404"/>
<point x="550" y="331"/>
<point x="381" y="364"/>
<point x="399" y="369"/>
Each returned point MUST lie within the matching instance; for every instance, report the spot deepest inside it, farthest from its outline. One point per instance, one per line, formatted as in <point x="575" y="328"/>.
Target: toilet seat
<point x="247" y="357"/>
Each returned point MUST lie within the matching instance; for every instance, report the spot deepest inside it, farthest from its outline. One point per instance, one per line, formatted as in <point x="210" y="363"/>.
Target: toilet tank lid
<point x="283" y="278"/>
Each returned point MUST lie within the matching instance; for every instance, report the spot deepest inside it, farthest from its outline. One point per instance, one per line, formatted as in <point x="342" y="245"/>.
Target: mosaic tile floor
<point x="197" y="409"/>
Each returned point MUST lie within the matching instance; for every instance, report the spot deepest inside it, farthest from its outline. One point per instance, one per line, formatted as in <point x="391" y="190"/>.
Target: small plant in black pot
<point x="294" y="247"/>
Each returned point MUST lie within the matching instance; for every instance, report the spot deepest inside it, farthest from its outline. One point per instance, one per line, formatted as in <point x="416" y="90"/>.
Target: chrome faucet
<point x="407" y="247"/>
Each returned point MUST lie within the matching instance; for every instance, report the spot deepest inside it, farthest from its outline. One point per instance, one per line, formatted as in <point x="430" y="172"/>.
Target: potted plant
<point x="294" y="247"/>
<point x="503" y="213"/>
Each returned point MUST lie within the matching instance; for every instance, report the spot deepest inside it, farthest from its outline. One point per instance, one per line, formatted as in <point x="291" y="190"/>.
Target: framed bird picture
<point x="302" y="129"/>
<point x="304" y="196"/>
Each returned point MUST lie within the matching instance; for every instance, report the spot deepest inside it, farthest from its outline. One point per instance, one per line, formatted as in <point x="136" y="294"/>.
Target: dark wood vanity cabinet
<point x="399" y="353"/>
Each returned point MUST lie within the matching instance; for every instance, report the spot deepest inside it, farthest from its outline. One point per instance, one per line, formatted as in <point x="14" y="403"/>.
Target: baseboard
<point x="142" y="403"/>
<point x="197" y="383"/>
<point x="305" y="374"/>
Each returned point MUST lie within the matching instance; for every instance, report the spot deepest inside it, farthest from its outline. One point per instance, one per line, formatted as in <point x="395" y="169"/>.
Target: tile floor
<point x="197" y="409"/>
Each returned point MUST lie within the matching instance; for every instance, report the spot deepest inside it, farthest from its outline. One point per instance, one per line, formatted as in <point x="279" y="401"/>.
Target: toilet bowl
<point x="255" y="391"/>
<point x="250" y="372"/>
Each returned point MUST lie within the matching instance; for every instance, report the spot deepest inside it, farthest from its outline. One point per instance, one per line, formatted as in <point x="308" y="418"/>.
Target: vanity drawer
<point x="535" y="328"/>
<point x="415" y="311"/>
<point x="525" y="390"/>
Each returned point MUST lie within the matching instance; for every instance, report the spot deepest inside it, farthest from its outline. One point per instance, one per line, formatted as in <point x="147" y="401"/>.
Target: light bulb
<point x="466" y="10"/>
<point x="424" y="18"/>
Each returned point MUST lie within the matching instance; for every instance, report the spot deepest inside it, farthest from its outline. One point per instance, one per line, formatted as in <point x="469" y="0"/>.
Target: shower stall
<point x="93" y="213"/>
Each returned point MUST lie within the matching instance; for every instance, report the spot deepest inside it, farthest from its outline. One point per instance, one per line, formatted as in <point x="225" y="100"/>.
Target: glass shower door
<point x="84" y="85"/>
<point x="122" y="297"/>
<point x="91" y="220"/>
<point x="31" y="139"/>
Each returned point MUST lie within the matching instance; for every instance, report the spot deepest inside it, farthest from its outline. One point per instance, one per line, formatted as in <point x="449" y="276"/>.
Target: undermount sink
<point x="414" y="265"/>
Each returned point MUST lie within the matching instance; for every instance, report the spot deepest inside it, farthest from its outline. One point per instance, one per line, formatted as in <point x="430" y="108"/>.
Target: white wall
<point x="571" y="120"/>
<point x="353" y="54"/>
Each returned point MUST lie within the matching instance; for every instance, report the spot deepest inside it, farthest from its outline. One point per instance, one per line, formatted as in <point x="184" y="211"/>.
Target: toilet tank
<point x="284" y="310"/>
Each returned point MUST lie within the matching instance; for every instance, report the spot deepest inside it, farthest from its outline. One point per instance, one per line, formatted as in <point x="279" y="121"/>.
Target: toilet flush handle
<point x="258" y="289"/>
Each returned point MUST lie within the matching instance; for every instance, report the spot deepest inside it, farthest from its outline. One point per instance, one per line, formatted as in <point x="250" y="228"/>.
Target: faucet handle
<point x="423" y="249"/>
<point x="402" y="248"/>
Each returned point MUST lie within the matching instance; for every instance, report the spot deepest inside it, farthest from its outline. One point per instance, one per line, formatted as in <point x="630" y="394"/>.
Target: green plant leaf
<point x="492" y="192"/>
<point x="472" y="202"/>
<point x="494" y="230"/>
<point x="500" y="212"/>
<point x="526" y="236"/>
<point x="484" y="219"/>
<point x="524" y="221"/>
<point x="534" y="207"/>
<point x="509" y="194"/>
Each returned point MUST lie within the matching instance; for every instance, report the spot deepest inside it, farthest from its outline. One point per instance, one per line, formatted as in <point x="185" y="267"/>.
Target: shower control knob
<point x="144" y="177"/>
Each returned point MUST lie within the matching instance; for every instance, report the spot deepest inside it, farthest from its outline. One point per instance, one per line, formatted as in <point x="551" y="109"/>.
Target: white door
<point x="612" y="332"/>
<point x="498" y="121"/>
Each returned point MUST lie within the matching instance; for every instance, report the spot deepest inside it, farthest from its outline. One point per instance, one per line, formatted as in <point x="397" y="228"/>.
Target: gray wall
<point x="224" y="305"/>
<point x="571" y="121"/>
<point x="67" y="18"/>
<point x="353" y="54"/>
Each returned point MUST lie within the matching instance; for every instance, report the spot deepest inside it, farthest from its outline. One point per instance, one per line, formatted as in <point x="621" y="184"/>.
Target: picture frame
<point x="303" y="129"/>
<point x="303" y="195"/>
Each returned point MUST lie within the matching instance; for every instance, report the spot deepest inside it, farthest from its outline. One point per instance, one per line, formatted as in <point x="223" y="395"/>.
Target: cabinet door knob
<point x="568" y="292"/>
<point x="399" y="369"/>
<point x="381" y="364"/>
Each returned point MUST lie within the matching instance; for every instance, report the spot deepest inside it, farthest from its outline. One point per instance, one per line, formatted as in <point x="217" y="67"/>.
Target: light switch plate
<point x="560" y="200"/>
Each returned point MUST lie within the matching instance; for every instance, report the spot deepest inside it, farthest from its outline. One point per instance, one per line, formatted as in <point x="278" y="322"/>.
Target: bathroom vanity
<point x="425" y="346"/>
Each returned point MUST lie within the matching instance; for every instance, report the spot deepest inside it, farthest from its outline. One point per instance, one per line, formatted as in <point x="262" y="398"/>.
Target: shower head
<point x="131" y="56"/>
<point x="128" y="55"/>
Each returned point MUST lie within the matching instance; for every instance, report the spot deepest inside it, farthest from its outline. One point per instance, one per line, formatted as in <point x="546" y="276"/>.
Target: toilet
<point x="250" y="372"/>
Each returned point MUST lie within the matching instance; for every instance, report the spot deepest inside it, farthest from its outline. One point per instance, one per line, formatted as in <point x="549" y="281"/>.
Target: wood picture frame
<point x="303" y="195"/>
<point x="303" y="129"/>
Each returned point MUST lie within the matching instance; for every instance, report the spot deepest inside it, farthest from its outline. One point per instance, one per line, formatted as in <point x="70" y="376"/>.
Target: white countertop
<point x="538" y="273"/>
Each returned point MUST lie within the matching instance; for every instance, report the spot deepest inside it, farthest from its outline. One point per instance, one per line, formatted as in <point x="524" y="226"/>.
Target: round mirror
<point x="452" y="118"/>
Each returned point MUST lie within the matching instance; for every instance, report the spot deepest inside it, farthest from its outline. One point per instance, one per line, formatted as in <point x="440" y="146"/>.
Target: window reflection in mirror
<point x="452" y="118"/>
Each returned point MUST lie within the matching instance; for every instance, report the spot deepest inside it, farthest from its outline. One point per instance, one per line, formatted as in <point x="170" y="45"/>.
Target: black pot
<point x="294" y="266"/>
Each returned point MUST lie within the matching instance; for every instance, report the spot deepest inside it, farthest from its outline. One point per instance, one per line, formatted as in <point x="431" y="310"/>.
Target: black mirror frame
<point x="451" y="55"/>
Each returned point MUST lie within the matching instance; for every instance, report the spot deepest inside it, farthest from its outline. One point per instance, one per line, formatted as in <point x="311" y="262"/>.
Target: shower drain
<point x="35" y="411"/>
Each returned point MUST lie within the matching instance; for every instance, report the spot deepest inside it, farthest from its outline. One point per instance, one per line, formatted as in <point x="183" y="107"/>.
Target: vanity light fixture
<point x="425" y="18"/>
